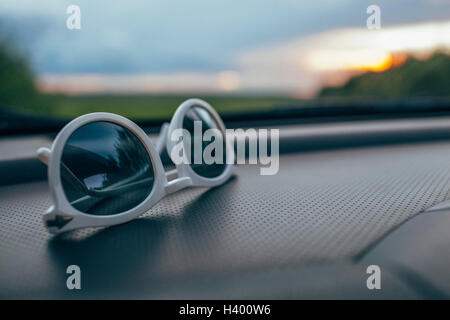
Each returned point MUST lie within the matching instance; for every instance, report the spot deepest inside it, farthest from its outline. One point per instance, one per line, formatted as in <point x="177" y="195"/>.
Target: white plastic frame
<point x="183" y="176"/>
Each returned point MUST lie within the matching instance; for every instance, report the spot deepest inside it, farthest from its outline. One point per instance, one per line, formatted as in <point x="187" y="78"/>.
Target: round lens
<point x="105" y="169"/>
<point x="206" y="144"/>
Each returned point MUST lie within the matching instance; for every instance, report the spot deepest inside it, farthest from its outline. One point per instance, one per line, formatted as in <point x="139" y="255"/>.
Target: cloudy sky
<point x="289" y="46"/>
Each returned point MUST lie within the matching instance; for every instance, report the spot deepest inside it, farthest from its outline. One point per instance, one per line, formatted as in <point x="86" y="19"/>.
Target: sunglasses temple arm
<point x="178" y="184"/>
<point x="162" y="139"/>
<point x="43" y="154"/>
<point x="172" y="174"/>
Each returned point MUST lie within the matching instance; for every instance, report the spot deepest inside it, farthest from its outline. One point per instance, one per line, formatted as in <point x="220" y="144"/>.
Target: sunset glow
<point x="373" y="50"/>
<point x="299" y="66"/>
<point x="355" y="60"/>
<point x="371" y="61"/>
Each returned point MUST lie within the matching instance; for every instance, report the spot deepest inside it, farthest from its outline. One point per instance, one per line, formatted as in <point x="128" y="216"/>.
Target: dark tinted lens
<point x="200" y="115"/>
<point x="105" y="169"/>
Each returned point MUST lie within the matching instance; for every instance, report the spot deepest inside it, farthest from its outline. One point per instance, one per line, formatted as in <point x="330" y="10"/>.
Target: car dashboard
<point x="347" y="195"/>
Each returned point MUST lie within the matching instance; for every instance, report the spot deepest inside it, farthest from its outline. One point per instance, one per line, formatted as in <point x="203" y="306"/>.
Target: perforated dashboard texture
<point x="321" y="207"/>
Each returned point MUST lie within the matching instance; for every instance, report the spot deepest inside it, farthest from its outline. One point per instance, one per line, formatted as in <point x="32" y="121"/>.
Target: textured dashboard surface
<point x="321" y="207"/>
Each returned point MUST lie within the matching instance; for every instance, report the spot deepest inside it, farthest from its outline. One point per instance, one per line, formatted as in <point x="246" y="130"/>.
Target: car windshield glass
<point x="141" y="59"/>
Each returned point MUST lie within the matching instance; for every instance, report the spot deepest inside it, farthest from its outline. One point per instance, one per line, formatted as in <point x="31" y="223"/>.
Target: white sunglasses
<point x="104" y="170"/>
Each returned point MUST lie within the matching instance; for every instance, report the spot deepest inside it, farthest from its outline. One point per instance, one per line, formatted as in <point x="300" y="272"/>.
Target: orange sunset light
<point x="356" y="60"/>
<point x="373" y="50"/>
<point x="385" y="62"/>
<point x="377" y="64"/>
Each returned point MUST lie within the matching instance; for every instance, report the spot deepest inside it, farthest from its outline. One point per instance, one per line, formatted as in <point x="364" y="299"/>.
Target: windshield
<point x="141" y="59"/>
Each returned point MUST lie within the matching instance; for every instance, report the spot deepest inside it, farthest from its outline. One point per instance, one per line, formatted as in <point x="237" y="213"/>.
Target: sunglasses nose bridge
<point x="178" y="184"/>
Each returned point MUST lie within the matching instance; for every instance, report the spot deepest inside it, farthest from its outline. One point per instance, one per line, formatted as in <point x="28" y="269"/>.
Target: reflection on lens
<point x="105" y="169"/>
<point x="207" y="122"/>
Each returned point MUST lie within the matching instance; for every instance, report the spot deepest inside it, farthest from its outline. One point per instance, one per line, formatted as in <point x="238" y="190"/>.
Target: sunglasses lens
<point x="105" y="169"/>
<point x="209" y="158"/>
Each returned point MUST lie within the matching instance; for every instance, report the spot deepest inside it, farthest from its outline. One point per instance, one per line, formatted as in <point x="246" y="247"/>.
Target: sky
<point x="262" y="46"/>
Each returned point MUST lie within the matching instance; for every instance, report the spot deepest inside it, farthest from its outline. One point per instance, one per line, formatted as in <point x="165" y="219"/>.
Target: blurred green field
<point x="415" y="78"/>
<point x="19" y="93"/>
<point x="151" y="107"/>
